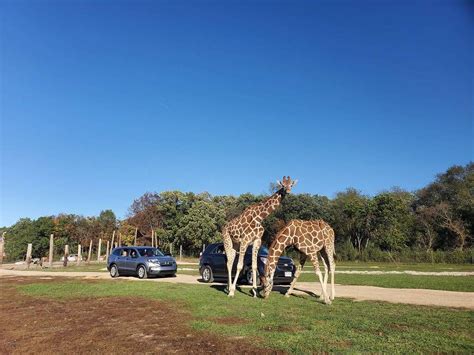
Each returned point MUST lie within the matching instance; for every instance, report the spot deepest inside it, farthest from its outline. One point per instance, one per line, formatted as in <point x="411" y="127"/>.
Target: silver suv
<point x="140" y="261"/>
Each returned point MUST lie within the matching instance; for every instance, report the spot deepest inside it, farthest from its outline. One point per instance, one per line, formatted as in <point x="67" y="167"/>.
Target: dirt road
<point x="358" y="293"/>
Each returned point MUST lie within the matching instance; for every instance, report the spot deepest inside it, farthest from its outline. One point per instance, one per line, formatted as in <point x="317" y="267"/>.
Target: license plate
<point x="288" y="274"/>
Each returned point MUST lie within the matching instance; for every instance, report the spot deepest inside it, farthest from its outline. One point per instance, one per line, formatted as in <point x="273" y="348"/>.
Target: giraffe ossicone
<point x="309" y="238"/>
<point x="247" y="229"/>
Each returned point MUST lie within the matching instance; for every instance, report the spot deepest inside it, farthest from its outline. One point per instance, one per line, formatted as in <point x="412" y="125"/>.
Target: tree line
<point x="435" y="223"/>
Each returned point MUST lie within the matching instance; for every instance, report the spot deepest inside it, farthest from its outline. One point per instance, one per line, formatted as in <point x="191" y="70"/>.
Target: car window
<point x="117" y="252"/>
<point x="124" y="252"/>
<point x="133" y="253"/>
<point x="150" y="252"/>
<point x="219" y="250"/>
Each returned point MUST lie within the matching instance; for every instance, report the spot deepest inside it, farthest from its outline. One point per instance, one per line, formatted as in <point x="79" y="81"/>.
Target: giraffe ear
<point x="279" y="183"/>
<point x="294" y="182"/>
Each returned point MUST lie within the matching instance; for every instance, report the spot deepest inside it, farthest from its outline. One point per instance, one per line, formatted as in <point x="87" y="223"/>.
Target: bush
<point x="346" y="252"/>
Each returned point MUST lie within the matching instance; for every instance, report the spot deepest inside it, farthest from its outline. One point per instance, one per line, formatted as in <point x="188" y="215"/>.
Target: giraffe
<point x="309" y="238"/>
<point x="247" y="229"/>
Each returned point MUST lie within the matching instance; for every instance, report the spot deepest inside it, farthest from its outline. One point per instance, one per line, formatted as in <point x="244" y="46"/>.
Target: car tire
<point x="207" y="274"/>
<point x="114" y="272"/>
<point x="248" y="277"/>
<point x="141" y="272"/>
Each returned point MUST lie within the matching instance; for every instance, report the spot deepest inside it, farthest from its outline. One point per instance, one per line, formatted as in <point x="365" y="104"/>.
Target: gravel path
<point x="358" y="293"/>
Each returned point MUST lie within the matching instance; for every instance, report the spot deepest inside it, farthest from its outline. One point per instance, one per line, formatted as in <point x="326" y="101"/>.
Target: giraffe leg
<point x="237" y="273"/>
<point x="297" y="274"/>
<point x="230" y="262"/>
<point x="332" y="270"/>
<point x="230" y="255"/>
<point x="325" y="260"/>
<point x="314" y="260"/>
<point x="256" y="247"/>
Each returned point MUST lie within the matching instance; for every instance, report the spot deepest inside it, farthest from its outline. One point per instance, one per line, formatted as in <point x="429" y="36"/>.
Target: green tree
<point x="392" y="219"/>
<point x="351" y="216"/>
<point x="201" y="225"/>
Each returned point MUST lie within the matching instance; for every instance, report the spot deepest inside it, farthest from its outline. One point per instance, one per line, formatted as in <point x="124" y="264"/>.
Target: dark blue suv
<point x="213" y="266"/>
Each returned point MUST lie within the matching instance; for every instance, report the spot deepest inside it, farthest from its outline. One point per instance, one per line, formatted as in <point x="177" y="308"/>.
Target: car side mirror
<point x="168" y="253"/>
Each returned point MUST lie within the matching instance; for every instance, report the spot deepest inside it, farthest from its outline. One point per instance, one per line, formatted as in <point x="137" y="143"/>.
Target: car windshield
<point x="150" y="252"/>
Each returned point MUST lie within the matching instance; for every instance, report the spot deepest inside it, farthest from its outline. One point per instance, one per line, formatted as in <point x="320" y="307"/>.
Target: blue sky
<point x="102" y="101"/>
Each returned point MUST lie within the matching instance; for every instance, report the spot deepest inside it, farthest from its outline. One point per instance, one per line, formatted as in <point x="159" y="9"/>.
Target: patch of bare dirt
<point x="101" y="325"/>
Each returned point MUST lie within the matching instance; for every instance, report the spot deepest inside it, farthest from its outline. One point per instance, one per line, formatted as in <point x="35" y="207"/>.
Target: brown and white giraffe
<point x="309" y="238"/>
<point x="247" y="229"/>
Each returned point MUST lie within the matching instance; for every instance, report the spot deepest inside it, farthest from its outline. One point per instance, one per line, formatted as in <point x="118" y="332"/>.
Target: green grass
<point x="295" y="324"/>
<point x="74" y="267"/>
<point x="447" y="283"/>
<point x="374" y="266"/>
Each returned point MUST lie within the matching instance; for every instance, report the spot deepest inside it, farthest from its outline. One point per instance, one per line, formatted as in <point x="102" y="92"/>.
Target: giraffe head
<point x="286" y="184"/>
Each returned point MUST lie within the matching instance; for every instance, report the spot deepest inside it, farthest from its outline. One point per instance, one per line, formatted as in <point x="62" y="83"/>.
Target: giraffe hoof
<point x="287" y="295"/>
<point x="254" y="293"/>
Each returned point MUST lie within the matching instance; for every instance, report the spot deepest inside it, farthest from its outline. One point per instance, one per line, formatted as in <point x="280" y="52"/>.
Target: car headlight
<point x="263" y="260"/>
<point x="154" y="262"/>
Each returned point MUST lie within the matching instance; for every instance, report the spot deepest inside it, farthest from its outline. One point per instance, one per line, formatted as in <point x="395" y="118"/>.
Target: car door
<point x="219" y="261"/>
<point x="133" y="260"/>
<point x="247" y="261"/>
<point x="122" y="259"/>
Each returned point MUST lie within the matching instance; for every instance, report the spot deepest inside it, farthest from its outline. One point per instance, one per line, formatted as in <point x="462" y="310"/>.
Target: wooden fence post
<point x="112" y="244"/>
<point x="29" y="249"/>
<point x="90" y="252"/>
<point x="152" y="238"/>
<point x="79" y="254"/>
<point x="136" y="232"/>
<point x="99" y="249"/>
<point x="2" y="248"/>
<point x="51" y="249"/>
<point x="180" y="252"/>
<point x="66" y="254"/>
<point x="119" y="239"/>
<point x="107" y="251"/>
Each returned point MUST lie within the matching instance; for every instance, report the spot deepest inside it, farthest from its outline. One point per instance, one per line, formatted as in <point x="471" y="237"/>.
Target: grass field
<point x="298" y="324"/>
<point x="447" y="283"/>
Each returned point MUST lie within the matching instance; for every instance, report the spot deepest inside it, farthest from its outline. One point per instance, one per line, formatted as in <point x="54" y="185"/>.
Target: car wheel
<point x="114" y="271"/>
<point x="207" y="274"/>
<point x="141" y="272"/>
<point x="248" y="277"/>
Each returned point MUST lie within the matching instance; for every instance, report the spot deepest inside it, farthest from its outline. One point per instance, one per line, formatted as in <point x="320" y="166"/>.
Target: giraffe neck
<point x="266" y="207"/>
